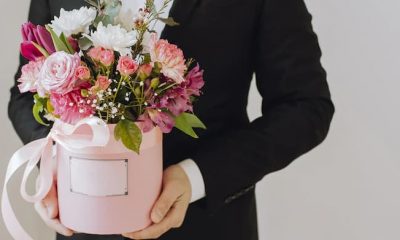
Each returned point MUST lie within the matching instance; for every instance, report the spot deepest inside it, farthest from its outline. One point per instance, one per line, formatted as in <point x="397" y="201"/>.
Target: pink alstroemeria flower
<point x="194" y="81"/>
<point x="163" y="120"/>
<point x="176" y="100"/>
<point x="145" y="123"/>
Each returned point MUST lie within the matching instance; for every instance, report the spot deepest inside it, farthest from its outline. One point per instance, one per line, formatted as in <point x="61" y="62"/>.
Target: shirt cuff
<point x="196" y="179"/>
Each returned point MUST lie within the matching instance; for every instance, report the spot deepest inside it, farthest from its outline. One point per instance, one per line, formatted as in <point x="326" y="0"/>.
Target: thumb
<point x="51" y="203"/>
<point x="164" y="203"/>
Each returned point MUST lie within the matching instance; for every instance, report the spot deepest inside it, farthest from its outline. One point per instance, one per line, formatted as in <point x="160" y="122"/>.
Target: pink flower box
<point x="111" y="189"/>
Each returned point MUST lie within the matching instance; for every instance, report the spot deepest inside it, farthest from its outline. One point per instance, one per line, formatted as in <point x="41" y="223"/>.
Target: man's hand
<point x="170" y="209"/>
<point x="48" y="211"/>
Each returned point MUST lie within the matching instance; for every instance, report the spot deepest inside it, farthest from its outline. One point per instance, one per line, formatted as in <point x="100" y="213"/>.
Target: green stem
<point x="121" y="79"/>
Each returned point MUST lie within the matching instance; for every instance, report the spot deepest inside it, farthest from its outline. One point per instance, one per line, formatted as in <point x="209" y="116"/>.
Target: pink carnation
<point x="170" y="57"/>
<point x="71" y="107"/>
<point x="29" y="76"/>
<point x="58" y="72"/>
<point x="127" y="66"/>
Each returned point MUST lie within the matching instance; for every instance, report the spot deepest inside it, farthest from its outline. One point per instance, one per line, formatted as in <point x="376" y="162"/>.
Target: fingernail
<point x="157" y="216"/>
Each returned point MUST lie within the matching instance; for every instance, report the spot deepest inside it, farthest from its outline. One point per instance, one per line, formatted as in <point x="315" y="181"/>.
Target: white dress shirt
<point x="189" y="166"/>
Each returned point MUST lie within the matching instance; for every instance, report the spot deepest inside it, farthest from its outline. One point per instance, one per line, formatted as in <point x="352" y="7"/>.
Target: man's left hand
<point x="170" y="209"/>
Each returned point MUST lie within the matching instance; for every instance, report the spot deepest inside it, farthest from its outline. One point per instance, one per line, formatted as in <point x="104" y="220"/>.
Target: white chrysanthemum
<point x="113" y="37"/>
<point x="74" y="22"/>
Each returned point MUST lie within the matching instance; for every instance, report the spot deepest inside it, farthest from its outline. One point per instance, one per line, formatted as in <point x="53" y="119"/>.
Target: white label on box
<point x="99" y="178"/>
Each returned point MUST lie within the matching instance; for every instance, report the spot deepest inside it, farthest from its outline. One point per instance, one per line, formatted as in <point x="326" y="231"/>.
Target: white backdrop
<point x="345" y="189"/>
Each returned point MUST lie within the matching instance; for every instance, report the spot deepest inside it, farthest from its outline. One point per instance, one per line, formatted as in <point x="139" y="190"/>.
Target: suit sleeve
<point x="296" y="107"/>
<point x="20" y="104"/>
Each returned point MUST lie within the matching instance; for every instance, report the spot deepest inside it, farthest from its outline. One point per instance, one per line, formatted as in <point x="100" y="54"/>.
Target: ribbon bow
<point x="41" y="150"/>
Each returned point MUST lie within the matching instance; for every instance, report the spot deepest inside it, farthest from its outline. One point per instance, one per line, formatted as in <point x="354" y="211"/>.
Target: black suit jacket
<point x="231" y="39"/>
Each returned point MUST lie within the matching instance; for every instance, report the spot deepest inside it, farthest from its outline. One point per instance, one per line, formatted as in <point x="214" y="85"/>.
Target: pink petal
<point x="44" y="39"/>
<point x="162" y="120"/>
<point x="29" y="51"/>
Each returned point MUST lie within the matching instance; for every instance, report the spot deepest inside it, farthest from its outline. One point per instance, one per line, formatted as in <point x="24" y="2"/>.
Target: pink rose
<point x="127" y="66"/>
<point x="71" y="107"/>
<point x="106" y="57"/>
<point x="102" y="82"/>
<point x="58" y="72"/>
<point x="170" y="57"/>
<point x="94" y="53"/>
<point x="145" y="69"/>
<point x="82" y="73"/>
<point x="30" y="75"/>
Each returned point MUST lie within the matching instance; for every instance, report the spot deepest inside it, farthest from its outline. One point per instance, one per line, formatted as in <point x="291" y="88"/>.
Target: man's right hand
<point x="48" y="211"/>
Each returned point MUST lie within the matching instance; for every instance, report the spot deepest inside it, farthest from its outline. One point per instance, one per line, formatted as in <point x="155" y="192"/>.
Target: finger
<point x="167" y="198"/>
<point x="180" y="207"/>
<point x="51" y="202"/>
<point x="58" y="227"/>
<point x="156" y="230"/>
<point x="55" y="223"/>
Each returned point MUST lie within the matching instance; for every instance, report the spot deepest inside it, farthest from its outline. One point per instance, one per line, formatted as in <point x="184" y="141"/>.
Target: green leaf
<point x="66" y="43"/>
<point x="186" y="122"/>
<point x="58" y="43"/>
<point x="194" y="121"/>
<point x="168" y="21"/>
<point x="84" y="43"/>
<point x="130" y="134"/>
<point x="104" y="19"/>
<point x="38" y="108"/>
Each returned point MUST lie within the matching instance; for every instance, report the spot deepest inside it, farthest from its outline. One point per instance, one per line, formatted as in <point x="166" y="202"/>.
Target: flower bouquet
<point x="112" y="88"/>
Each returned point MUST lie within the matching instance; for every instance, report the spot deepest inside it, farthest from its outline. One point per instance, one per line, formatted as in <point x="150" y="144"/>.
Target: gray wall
<point x="346" y="188"/>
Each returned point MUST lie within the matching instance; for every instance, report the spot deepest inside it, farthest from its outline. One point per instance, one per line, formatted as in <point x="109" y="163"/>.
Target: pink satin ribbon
<point x="41" y="150"/>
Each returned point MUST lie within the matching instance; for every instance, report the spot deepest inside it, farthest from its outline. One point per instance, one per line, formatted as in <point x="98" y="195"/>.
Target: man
<point x="232" y="39"/>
